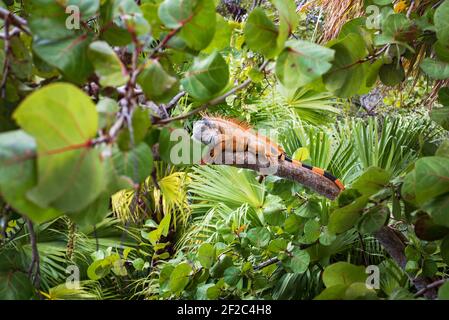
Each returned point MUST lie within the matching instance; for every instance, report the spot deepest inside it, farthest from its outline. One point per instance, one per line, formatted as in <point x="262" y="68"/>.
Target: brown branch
<point x="34" y="269"/>
<point x="287" y="170"/>
<point x="433" y="285"/>
<point x="395" y="247"/>
<point x="6" y="62"/>
<point x="15" y="20"/>
<point x="173" y="102"/>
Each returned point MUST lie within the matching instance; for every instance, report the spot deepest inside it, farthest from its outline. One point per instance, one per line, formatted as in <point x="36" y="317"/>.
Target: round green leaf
<point x="259" y="237"/>
<point x="197" y="20"/>
<point x="17" y="177"/>
<point x="373" y="220"/>
<point x="443" y="291"/>
<point x="343" y="273"/>
<point x="435" y="69"/>
<point x="206" y="255"/>
<point x="63" y="120"/>
<point x="179" y="277"/>
<point x="109" y="68"/>
<point x="156" y="83"/>
<point x="302" y="62"/>
<point x="15" y="285"/>
<point x="232" y="276"/>
<point x="261" y="34"/>
<point x="299" y="262"/>
<point x="206" y="77"/>
<point x="442" y="22"/>
<point x="391" y="74"/>
<point x="312" y="230"/>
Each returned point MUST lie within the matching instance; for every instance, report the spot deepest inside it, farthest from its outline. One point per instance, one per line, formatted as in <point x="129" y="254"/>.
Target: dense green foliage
<point x="87" y="177"/>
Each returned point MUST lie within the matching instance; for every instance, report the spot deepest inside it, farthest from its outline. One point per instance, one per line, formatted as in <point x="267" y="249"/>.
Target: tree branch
<point x="34" y="269"/>
<point x="433" y="285"/>
<point x="395" y="247"/>
<point x="15" y="20"/>
<point x="287" y="170"/>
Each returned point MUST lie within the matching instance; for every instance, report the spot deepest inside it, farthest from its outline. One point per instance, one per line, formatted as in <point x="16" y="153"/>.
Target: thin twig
<point x="6" y="62"/>
<point x="173" y="102"/>
<point x="15" y="20"/>
<point x="433" y="285"/>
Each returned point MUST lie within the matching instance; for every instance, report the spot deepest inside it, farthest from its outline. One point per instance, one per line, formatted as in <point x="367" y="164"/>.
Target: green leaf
<point x="206" y="255"/>
<point x="441" y="51"/>
<point x="373" y="220"/>
<point x="129" y="12"/>
<point x="444" y="248"/>
<point x="395" y="29"/>
<point x="18" y="175"/>
<point x="442" y="23"/>
<point x="371" y="181"/>
<point x="259" y="237"/>
<point x="382" y="2"/>
<point x="206" y="77"/>
<point x="345" y="218"/>
<point x="48" y="19"/>
<point x="359" y="291"/>
<point x="63" y="120"/>
<point x="288" y="19"/>
<point x="99" y="269"/>
<point x="443" y="96"/>
<point x="441" y="116"/>
<point x="429" y="179"/>
<point x="302" y="62"/>
<point x="438" y="209"/>
<point x="343" y="273"/>
<point x="312" y="231"/>
<point x="261" y="34"/>
<point x="150" y="13"/>
<point x="15" y="285"/>
<point x="136" y="164"/>
<point x="107" y="109"/>
<point x="69" y="55"/>
<point x="156" y="83"/>
<point x="109" y="68"/>
<point x="232" y="276"/>
<point x="336" y="292"/>
<point x="223" y="263"/>
<point x="435" y="69"/>
<point x="443" y="149"/>
<point x="277" y="245"/>
<point x="299" y="262"/>
<point x="345" y="77"/>
<point x="140" y="124"/>
<point x="392" y="74"/>
<point x="327" y="238"/>
<point x="443" y="292"/>
<point x="196" y="18"/>
<point x="222" y="37"/>
<point x="179" y="277"/>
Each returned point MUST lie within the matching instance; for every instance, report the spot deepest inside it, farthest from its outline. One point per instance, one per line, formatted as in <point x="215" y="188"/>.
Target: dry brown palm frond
<point x="337" y="13"/>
